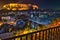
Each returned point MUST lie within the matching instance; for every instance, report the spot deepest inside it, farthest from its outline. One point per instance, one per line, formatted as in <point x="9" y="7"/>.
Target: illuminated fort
<point x="17" y="6"/>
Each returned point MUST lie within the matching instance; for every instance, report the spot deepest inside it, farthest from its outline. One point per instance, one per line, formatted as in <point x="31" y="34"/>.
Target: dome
<point x="17" y="6"/>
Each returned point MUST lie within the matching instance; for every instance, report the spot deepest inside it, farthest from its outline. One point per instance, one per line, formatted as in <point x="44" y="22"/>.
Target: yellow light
<point x="12" y="5"/>
<point x="8" y="8"/>
<point x="14" y="9"/>
<point x="35" y="7"/>
<point x="16" y="6"/>
<point x="4" y="6"/>
<point x="23" y="9"/>
<point x="12" y="22"/>
<point x="1" y="23"/>
<point x="59" y="22"/>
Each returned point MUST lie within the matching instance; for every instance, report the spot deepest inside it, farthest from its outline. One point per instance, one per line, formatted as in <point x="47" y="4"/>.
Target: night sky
<point x="54" y="4"/>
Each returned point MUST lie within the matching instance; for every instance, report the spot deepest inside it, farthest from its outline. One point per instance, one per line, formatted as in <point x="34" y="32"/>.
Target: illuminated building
<point x="16" y="6"/>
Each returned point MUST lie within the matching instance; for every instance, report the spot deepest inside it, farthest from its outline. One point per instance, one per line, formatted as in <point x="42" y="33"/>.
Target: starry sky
<point x="54" y="4"/>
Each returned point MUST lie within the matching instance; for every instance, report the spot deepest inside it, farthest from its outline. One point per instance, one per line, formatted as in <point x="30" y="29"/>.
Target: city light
<point x="1" y="23"/>
<point x="28" y="20"/>
<point x="16" y="6"/>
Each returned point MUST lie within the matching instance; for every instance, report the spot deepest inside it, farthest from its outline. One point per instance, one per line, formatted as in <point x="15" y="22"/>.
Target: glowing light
<point x="16" y="6"/>
<point x="12" y="22"/>
<point x="23" y="9"/>
<point x="1" y="23"/>
<point x="35" y="7"/>
<point x="55" y="23"/>
<point x="13" y="8"/>
<point x="8" y="8"/>
<point x="4" y="6"/>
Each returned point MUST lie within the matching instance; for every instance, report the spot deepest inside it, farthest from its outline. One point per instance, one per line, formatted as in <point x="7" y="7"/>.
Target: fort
<point x="17" y="6"/>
